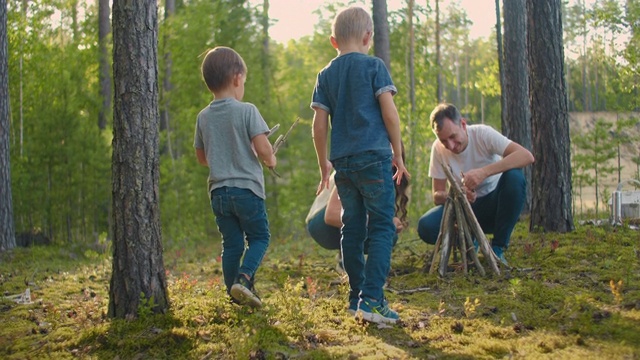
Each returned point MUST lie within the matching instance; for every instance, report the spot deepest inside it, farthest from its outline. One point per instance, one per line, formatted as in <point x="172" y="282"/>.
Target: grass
<point x="570" y="296"/>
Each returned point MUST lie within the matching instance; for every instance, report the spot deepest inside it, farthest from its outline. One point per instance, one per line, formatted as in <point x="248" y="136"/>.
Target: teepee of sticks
<point x="458" y="229"/>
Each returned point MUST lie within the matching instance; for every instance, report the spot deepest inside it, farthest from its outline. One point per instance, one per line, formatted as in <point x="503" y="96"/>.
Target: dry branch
<point x="458" y="227"/>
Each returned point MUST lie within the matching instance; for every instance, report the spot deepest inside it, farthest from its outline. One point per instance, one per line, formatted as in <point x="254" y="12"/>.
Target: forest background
<point x="60" y="121"/>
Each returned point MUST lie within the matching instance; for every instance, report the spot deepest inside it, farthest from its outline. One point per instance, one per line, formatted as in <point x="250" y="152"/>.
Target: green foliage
<point x="61" y="169"/>
<point x="595" y="153"/>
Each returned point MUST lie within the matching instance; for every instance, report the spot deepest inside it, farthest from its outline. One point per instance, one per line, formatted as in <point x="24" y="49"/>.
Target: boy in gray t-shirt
<point x="231" y="139"/>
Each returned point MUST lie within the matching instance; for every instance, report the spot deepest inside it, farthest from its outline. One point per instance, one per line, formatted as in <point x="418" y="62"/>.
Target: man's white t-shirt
<point x="486" y="146"/>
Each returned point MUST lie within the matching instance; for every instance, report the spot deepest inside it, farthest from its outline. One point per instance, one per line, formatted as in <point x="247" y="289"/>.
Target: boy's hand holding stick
<point x="280" y="141"/>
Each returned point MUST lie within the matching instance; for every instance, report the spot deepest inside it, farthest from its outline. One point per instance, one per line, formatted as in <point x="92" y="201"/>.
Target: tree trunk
<point x="438" y="61"/>
<point x="7" y="232"/>
<point x="412" y="76"/>
<point x="167" y="86"/>
<point x="104" y="28"/>
<point x="551" y="187"/>
<point x="501" y="60"/>
<point x="381" y="30"/>
<point x="138" y="270"/>
<point x="516" y="116"/>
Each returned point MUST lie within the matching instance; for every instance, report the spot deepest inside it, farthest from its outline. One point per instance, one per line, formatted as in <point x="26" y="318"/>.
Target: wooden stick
<point x="447" y="240"/>
<point x="461" y="235"/>
<point x="446" y="213"/>
<point x="471" y="246"/>
<point x="473" y="222"/>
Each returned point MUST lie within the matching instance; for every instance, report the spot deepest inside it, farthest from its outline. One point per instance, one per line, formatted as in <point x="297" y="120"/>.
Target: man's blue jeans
<point x="365" y="186"/>
<point x="240" y="214"/>
<point x="497" y="212"/>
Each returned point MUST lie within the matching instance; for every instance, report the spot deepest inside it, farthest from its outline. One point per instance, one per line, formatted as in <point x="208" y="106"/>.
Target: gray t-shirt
<point x="224" y="130"/>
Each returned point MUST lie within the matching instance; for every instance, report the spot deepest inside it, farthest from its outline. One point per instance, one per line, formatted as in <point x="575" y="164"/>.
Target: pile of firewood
<point x="458" y="230"/>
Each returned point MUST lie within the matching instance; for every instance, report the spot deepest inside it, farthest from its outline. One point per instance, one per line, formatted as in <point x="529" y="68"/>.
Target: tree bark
<point x="516" y="116"/>
<point x="104" y="28"/>
<point x="381" y="30"/>
<point x="138" y="269"/>
<point x="7" y="231"/>
<point x="501" y="60"/>
<point x="551" y="187"/>
<point x="439" y="86"/>
<point x="412" y="76"/>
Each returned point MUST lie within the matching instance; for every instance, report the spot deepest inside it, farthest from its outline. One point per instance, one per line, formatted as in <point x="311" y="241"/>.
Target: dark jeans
<point x="365" y="186"/>
<point x="497" y="212"/>
<point x="240" y="214"/>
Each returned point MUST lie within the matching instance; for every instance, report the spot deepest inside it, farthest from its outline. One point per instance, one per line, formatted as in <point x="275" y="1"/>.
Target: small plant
<point x="616" y="290"/>
<point x="145" y="308"/>
<point x="515" y="286"/>
<point x="470" y="306"/>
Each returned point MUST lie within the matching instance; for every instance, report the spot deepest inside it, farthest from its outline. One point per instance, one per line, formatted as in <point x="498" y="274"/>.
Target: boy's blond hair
<point x="220" y="65"/>
<point x="351" y="23"/>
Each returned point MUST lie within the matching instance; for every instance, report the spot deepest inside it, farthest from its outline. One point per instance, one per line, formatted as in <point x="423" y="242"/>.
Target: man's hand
<point x="472" y="178"/>
<point x="471" y="194"/>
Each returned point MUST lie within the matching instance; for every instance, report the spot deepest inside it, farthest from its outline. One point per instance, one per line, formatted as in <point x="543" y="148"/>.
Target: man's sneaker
<point x="243" y="292"/>
<point x="376" y="311"/>
<point x="500" y="254"/>
<point x="353" y="306"/>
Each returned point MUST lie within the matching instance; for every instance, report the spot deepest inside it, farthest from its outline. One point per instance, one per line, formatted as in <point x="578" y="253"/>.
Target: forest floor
<point x="566" y="296"/>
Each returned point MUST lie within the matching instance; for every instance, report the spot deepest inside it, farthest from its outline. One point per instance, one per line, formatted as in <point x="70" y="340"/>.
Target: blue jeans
<point x="240" y="214"/>
<point x="365" y="186"/>
<point x="497" y="212"/>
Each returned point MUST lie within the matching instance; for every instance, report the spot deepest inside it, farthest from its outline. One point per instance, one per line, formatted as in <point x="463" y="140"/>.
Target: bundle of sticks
<point x="458" y="230"/>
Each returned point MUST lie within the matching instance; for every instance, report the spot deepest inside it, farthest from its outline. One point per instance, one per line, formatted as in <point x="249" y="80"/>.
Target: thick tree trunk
<point x="516" y="115"/>
<point x="138" y="269"/>
<point x="381" y="30"/>
<point x="7" y="232"/>
<point x="551" y="187"/>
<point x="104" y="28"/>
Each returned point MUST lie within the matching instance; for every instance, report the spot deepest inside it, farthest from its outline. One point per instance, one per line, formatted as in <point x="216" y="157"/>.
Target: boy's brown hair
<point x="351" y="24"/>
<point x="220" y="65"/>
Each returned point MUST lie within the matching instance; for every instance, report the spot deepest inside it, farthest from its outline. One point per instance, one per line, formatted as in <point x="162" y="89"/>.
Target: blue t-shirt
<point x="348" y="89"/>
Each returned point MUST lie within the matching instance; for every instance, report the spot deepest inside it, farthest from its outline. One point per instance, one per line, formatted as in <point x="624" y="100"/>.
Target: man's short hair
<point x="444" y="111"/>
<point x="351" y="23"/>
<point x="220" y="65"/>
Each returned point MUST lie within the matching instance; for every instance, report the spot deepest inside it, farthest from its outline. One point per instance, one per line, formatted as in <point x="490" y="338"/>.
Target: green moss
<point x="557" y="302"/>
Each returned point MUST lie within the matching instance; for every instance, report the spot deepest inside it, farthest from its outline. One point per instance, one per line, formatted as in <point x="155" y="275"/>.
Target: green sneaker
<point x="244" y="293"/>
<point x="353" y="306"/>
<point x="500" y="254"/>
<point x="376" y="311"/>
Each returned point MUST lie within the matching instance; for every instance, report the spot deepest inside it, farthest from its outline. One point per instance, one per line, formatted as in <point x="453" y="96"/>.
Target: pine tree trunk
<point x="104" y="28"/>
<point x="381" y="30"/>
<point x="517" y="115"/>
<point x="501" y="60"/>
<point x="551" y="186"/>
<point x="439" y="90"/>
<point x="138" y="269"/>
<point x="7" y="232"/>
